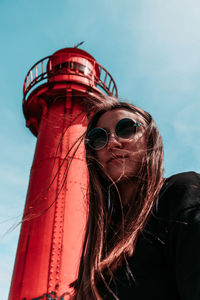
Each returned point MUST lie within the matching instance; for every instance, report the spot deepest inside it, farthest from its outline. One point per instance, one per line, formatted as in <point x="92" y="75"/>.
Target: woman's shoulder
<point x="184" y="178"/>
<point x="179" y="193"/>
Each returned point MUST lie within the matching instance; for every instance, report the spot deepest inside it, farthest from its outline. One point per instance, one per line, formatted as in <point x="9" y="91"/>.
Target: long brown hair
<point x="113" y="229"/>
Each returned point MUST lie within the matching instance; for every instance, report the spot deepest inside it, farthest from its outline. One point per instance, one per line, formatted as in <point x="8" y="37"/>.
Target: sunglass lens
<point x="97" y="138"/>
<point x="125" y="128"/>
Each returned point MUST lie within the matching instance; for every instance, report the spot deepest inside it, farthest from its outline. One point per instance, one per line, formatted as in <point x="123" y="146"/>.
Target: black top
<point x="166" y="262"/>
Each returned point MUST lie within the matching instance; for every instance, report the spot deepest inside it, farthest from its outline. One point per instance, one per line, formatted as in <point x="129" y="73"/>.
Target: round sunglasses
<point x="97" y="138"/>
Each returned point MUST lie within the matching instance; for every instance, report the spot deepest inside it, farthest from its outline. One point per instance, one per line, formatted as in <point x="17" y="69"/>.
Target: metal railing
<point x="39" y="73"/>
<point x="106" y="82"/>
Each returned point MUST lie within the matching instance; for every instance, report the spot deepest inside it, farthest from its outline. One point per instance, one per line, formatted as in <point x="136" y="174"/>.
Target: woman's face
<point x="121" y="158"/>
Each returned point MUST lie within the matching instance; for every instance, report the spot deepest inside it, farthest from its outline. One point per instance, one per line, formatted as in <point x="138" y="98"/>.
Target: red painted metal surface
<point x="55" y="212"/>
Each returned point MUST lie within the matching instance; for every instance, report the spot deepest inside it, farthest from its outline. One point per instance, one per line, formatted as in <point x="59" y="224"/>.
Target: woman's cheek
<point x="101" y="157"/>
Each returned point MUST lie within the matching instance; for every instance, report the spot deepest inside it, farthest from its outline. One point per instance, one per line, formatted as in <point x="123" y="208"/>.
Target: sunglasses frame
<point x="87" y="140"/>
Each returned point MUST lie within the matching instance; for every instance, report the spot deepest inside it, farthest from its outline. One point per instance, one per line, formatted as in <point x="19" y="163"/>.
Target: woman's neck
<point x="127" y="190"/>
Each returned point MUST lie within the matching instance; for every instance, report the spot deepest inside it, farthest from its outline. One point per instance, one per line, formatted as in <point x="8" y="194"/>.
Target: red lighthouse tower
<point x="55" y="105"/>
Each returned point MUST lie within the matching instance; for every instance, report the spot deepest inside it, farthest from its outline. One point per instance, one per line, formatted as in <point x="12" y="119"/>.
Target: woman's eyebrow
<point x="107" y="130"/>
<point x="104" y="127"/>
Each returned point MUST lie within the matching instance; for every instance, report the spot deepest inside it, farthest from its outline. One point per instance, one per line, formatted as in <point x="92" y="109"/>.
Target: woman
<point x="143" y="233"/>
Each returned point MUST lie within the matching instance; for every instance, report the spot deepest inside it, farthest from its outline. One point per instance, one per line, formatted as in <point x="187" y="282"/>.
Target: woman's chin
<point x="118" y="177"/>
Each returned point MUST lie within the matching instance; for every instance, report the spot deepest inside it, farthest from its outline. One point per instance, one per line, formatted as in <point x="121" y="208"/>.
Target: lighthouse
<point x="58" y="94"/>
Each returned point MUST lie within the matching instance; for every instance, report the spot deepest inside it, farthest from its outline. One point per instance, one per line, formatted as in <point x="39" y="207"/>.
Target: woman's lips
<point x="117" y="158"/>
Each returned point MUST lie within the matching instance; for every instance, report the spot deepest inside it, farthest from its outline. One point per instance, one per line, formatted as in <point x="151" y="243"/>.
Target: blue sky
<point x="150" y="47"/>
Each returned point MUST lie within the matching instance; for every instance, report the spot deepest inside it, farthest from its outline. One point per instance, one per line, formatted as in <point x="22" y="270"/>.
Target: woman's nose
<point x="113" y="142"/>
